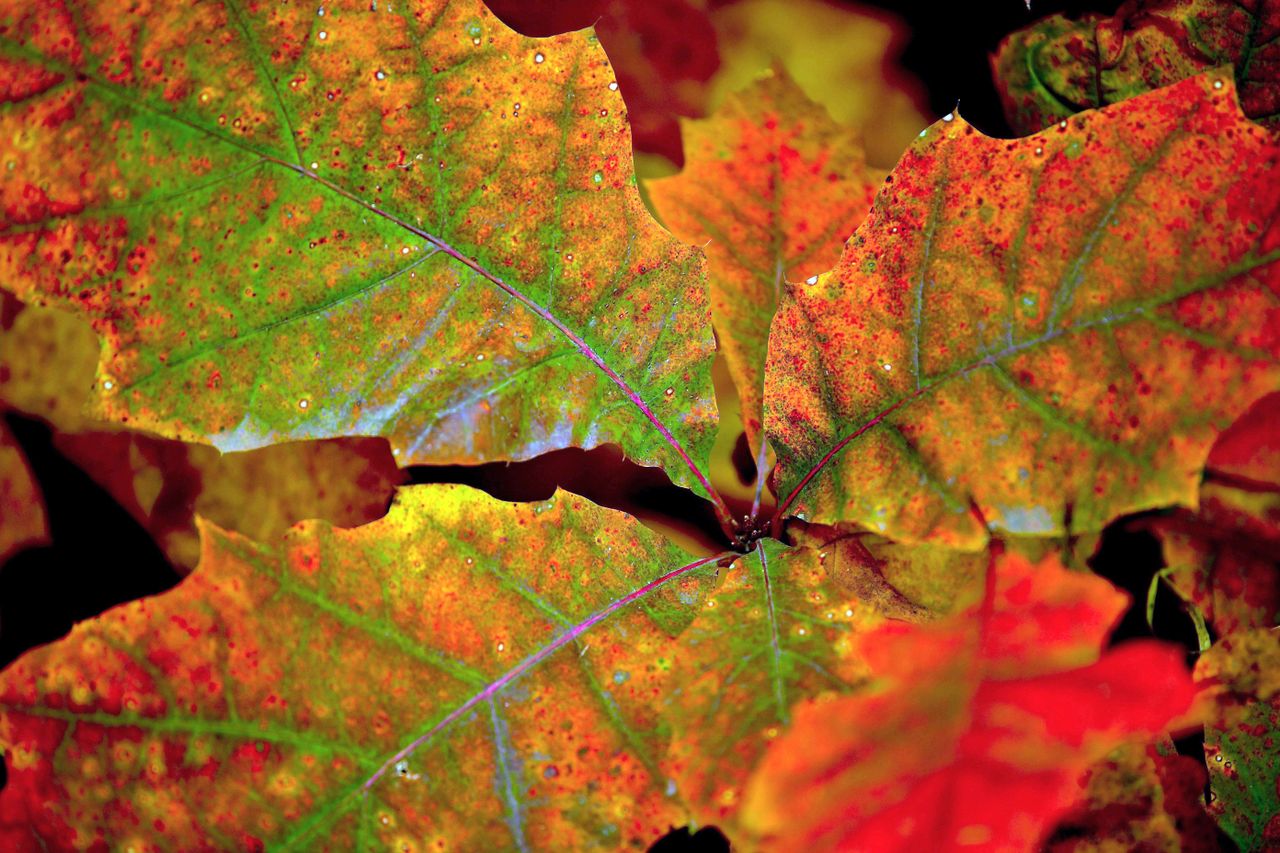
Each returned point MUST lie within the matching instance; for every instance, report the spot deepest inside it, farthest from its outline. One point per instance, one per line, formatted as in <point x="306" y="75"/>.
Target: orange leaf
<point x="1050" y="331"/>
<point x="425" y="678"/>
<point x="771" y="189"/>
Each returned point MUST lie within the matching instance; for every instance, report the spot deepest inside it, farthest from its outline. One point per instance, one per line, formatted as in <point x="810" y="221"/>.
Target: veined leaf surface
<point x="392" y="685"/>
<point x="776" y="631"/>
<point x="771" y="188"/>
<point x="1057" y="67"/>
<point x="292" y="222"/>
<point x="1036" y="334"/>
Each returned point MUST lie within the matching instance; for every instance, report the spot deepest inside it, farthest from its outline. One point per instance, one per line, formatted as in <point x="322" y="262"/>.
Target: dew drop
<point x="380" y="74"/>
<point x="108" y="385"/>
<point x="597" y="177"/>
<point x="1039" y="150"/>
<point x="475" y="41"/>
<point x="502" y="647"/>
<point x="1063" y="124"/>
<point x="613" y="87"/>
<point x="669" y="392"/>
<point x="480" y="356"/>
<point x="539" y="58"/>
<point x="303" y="403"/>
<point x="1218" y="758"/>
<point x="322" y="35"/>
<point x="887" y="366"/>
<point x="320" y="11"/>
<point x="924" y="133"/>
<point x="671" y="787"/>
<point x="314" y="165"/>
<point x="848" y="611"/>
<point x="1217" y="84"/>
<point x="949" y="117"/>
<point x="402" y="768"/>
<point x="813" y="279"/>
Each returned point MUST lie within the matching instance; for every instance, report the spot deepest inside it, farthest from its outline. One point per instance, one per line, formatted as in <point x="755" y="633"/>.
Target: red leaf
<point x="981" y="727"/>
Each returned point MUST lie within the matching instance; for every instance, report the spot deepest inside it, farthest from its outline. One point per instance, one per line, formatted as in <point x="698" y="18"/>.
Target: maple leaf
<point x="1058" y="66"/>
<point x="303" y="228"/>
<point x="771" y="188"/>
<point x="552" y="675"/>
<point x="442" y="720"/>
<point x="979" y="726"/>
<point x="992" y="340"/>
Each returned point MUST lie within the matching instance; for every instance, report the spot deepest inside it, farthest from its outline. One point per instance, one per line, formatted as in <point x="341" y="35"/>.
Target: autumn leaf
<point x="1036" y="335"/>
<point x="776" y="630"/>
<point x="771" y="188"/>
<point x="1242" y="740"/>
<point x="1223" y="557"/>
<point x="861" y="83"/>
<point x="978" y="727"/>
<point x="681" y="58"/>
<point x="408" y="223"/>
<point x="1057" y="67"/>
<point x="435" y="719"/>
<point x="1139" y="797"/>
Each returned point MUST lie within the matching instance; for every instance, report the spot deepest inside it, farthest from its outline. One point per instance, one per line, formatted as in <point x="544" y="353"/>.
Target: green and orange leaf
<point x="407" y="223"/>
<point x="462" y="698"/>
<point x="47" y="359"/>
<point x="777" y="630"/>
<point x="1034" y="336"/>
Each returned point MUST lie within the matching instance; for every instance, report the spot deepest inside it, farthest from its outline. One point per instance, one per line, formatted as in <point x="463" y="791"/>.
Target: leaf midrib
<point x="545" y="314"/>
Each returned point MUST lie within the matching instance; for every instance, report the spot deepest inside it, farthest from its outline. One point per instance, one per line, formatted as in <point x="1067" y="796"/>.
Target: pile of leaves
<point x="268" y="263"/>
